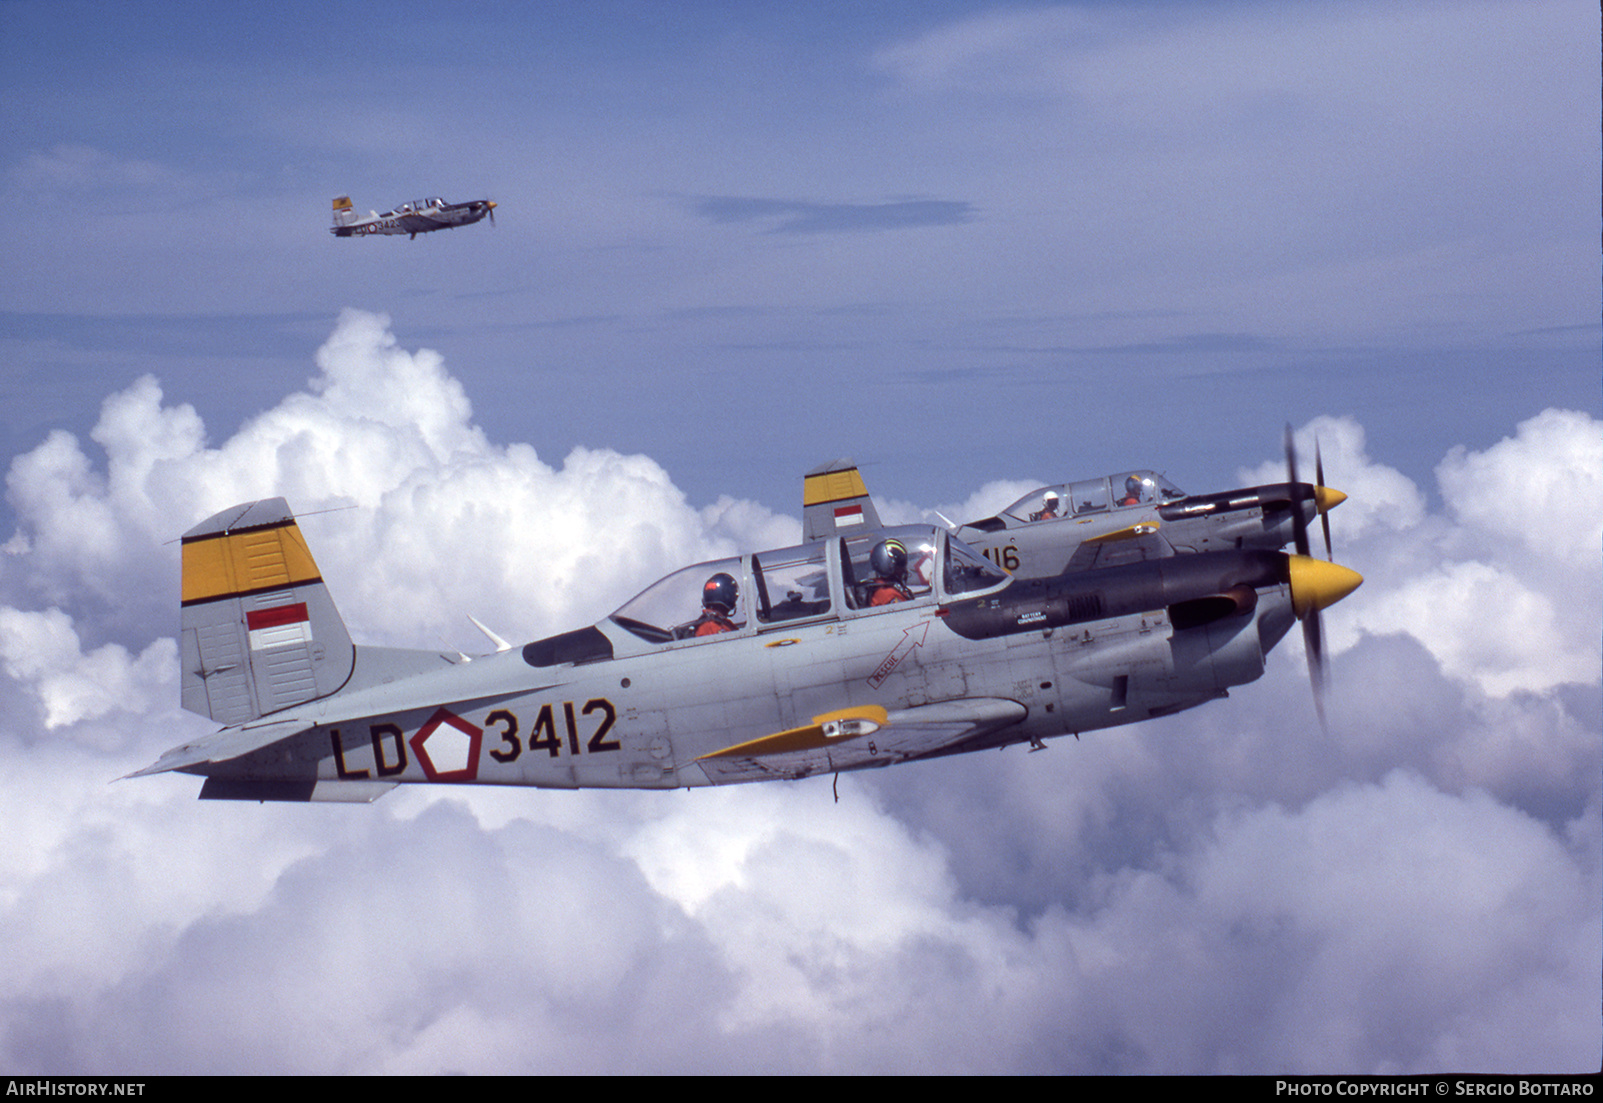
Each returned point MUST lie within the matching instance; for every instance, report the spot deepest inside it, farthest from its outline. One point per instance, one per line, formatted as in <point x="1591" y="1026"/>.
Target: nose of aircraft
<point x="1316" y="583"/>
<point x="1328" y="498"/>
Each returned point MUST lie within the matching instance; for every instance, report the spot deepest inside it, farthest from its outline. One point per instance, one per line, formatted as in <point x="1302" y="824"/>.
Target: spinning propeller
<point x="1315" y="585"/>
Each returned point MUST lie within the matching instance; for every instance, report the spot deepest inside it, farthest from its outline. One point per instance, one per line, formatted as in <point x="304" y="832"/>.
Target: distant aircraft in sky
<point x="418" y="217"/>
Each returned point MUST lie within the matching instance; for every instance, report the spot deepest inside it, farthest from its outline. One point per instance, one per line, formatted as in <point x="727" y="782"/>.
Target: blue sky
<point x="976" y="247"/>
<point x="1180" y="226"/>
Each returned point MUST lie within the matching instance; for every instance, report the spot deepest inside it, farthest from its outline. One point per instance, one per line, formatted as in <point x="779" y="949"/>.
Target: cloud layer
<point x="1223" y="891"/>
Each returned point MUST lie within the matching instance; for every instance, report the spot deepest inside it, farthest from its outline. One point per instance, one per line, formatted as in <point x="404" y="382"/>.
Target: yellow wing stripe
<point x="800" y="739"/>
<point x="227" y="565"/>
<point x="1130" y="533"/>
<point x="833" y="486"/>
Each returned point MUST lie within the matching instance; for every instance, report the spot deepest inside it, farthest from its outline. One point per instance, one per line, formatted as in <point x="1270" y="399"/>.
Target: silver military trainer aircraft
<point x="1126" y="517"/>
<point x="1129" y="517"/>
<point x="864" y="649"/>
<point x="418" y="217"/>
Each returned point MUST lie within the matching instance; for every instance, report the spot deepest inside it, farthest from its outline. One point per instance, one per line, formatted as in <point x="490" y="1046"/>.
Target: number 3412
<point x="545" y="736"/>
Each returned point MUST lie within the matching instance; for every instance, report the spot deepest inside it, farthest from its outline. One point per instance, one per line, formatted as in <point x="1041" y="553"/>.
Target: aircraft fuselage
<point x="1049" y="657"/>
<point x="420" y="217"/>
<point x="1249" y="517"/>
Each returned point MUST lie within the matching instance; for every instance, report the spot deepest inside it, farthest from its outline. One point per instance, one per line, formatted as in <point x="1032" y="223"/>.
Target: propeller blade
<point x="1324" y="514"/>
<point x="1313" y="639"/>
<point x="1299" y="523"/>
<point x="1314" y="586"/>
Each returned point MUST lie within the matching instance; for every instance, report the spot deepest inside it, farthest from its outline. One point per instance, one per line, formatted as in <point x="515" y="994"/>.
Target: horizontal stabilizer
<point x="859" y="737"/>
<point x="224" y="745"/>
<point x="344" y="792"/>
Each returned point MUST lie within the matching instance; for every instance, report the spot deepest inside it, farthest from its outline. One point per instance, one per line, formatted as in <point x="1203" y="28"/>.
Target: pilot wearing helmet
<point x="888" y="561"/>
<point x="1049" y="508"/>
<point x="719" y="597"/>
<point x="1136" y="491"/>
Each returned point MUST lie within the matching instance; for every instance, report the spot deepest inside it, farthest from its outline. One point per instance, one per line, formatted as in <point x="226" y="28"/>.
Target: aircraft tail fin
<point x="835" y="500"/>
<point x="344" y="215"/>
<point x="259" y="631"/>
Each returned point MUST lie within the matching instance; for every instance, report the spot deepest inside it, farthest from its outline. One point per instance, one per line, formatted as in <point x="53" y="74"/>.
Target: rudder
<point x="259" y="631"/>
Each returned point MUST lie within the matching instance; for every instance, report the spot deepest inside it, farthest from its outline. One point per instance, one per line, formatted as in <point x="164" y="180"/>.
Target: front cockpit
<point x="829" y="580"/>
<point x="1091" y="496"/>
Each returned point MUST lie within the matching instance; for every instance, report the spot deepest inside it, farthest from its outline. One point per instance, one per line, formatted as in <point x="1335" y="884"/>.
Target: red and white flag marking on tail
<point x="279" y="626"/>
<point x="848" y="515"/>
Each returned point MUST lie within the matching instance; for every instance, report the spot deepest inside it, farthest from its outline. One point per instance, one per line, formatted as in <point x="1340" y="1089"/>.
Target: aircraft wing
<point x="224" y="745"/>
<point x="867" y="735"/>
<point x="835" y="502"/>
<point x="1135" y="544"/>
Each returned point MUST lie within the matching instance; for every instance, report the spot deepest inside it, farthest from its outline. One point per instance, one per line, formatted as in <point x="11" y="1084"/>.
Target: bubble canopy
<point x="826" y="580"/>
<point x="1127" y="488"/>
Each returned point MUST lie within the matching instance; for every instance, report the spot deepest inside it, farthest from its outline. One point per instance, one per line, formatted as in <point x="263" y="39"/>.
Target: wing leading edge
<point x="857" y="738"/>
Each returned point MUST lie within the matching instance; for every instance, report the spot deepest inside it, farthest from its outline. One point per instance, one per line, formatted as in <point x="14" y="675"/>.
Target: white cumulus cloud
<point x="490" y="530"/>
<point x="1227" y="890"/>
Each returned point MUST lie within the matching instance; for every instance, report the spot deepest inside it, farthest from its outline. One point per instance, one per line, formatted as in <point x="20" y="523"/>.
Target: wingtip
<point x="154" y="768"/>
<point x="175" y="759"/>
